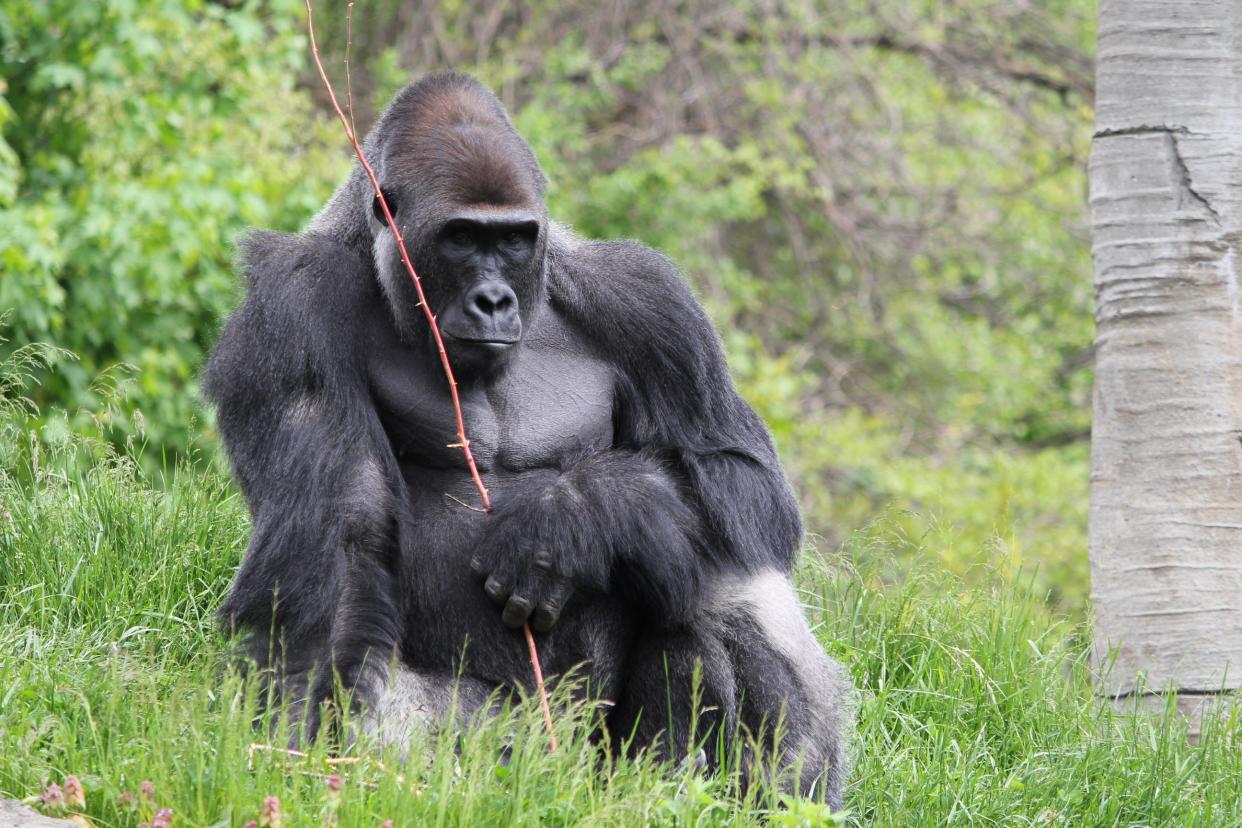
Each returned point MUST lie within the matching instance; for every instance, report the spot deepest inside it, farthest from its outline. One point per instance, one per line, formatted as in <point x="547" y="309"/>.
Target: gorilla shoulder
<point x="306" y="295"/>
<point x="305" y="289"/>
<point x="304" y="270"/>
<point x="624" y="289"/>
<point x="616" y="267"/>
<point x="634" y="303"/>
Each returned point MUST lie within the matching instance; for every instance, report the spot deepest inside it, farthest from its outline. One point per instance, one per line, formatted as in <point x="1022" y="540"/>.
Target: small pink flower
<point x="147" y="789"/>
<point x="334" y="785"/>
<point x="53" y="797"/>
<point x="251" y="824"/>
<point x="126" y="801"/>
<point x="386" y="824"/>
<point x="75" y="794"/>
<point x="163" y="818"/>
<point x="269" y="814"/>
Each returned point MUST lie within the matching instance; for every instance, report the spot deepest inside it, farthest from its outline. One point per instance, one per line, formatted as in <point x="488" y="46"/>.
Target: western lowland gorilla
<point x="642" y="523"/>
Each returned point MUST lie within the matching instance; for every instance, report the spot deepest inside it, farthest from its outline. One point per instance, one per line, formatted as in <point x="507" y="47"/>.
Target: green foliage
<point x="138" y="141"/>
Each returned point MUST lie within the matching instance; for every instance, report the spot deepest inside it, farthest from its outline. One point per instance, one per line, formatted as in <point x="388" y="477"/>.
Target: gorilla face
<point x="481" y="270"/>
<point x="487" y="256"/>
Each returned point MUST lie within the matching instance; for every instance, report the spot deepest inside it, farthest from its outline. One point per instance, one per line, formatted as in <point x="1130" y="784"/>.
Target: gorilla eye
<point x="378" y="209"/>
<point x="513" y="237"/>
<point x="460" y="237"/>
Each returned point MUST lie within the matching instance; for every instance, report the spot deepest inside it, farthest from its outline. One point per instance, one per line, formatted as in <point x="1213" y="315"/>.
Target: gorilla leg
<point x="657" y="709"/>
<point x="410" y="702"/>
<point x="784" y="677"/>
<point x="764" y="680"/>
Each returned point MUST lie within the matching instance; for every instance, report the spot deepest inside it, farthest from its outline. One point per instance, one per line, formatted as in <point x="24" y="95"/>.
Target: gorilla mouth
<point x="489" y="343"/>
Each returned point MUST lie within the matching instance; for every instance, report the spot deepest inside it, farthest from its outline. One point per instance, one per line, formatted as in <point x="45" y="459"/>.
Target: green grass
<point x="974" y="709"/>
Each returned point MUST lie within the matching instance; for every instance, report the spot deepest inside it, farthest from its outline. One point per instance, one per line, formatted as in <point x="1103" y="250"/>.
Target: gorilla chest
<point x="552" y="399"/>
<point x="550" y="402"/>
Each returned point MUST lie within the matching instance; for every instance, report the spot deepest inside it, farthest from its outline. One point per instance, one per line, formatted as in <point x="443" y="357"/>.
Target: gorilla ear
<point x="378" y="209"/>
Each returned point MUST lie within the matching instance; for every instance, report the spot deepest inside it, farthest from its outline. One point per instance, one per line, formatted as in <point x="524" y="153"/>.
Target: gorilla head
<point x="467" y="193"/>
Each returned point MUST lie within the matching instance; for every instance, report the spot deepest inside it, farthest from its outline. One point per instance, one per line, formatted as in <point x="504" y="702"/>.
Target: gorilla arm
<point x="691" y="482"/>
<point x="307" y="447"/>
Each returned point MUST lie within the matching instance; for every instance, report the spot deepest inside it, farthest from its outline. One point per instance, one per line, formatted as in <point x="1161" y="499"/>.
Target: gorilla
<point x="642" y="524"/>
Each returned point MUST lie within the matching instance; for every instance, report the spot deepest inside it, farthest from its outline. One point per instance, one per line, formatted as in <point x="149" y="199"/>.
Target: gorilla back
<point x="642" y="523"/>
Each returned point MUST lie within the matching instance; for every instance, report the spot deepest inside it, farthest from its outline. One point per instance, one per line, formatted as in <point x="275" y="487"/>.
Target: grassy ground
<point x="975" y="708"/>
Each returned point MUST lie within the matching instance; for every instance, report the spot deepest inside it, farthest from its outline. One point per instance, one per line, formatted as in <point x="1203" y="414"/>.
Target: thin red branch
<point x="463" y="442"/>
<point x="349" y="84"/>
<point x="543" y="693"/>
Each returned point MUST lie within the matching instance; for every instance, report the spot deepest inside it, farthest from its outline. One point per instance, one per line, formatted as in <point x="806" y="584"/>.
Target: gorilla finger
<point x="545" y="618"/>
<point x="497" y="590"/>
<point x="549" y="610"/>
<point x="478" y="567"/>
<point x="517" y="610"/>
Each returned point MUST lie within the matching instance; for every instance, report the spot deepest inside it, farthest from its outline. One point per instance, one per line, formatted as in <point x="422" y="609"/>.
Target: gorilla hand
<point x="539" y="547"/>
<point x="527" y="585"/>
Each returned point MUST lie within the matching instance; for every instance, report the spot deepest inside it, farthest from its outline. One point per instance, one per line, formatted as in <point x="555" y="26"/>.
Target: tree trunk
<point x="1166" y="462"/>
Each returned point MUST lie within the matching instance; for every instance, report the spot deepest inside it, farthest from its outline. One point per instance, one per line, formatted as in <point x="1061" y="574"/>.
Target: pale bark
<point x="1166" y="484"/>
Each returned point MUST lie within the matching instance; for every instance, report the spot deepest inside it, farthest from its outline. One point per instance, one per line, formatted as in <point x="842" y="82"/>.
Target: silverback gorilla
<point x="642" y="523"/>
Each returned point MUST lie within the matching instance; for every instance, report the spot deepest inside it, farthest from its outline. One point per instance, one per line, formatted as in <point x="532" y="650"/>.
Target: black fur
<point x="642" y="522"/>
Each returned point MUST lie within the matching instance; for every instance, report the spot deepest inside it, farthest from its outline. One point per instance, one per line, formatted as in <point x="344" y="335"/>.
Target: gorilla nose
<point x="493" y="305"/>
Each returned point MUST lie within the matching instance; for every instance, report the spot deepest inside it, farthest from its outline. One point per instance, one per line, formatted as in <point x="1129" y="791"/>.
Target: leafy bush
<point x="139" y="140"/>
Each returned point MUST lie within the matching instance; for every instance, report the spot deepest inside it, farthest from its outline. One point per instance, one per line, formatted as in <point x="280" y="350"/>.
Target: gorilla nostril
<point x="491" y="300"/>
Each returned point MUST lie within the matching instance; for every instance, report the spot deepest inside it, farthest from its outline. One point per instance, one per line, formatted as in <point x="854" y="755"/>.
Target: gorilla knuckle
<point x="498" y="589"/>
<point x="517" y="610"/>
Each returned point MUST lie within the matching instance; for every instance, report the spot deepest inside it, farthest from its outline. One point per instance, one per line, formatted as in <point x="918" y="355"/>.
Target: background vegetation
<point x="880" y="201"/>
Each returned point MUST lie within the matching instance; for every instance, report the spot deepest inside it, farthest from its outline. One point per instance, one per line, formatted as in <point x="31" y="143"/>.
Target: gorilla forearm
<point x="316" y="593"/>
<point x="749" y="511"/>
<point x="632" y="509"/>
<point x="669" y="516"/>
<point x="324" y="522"/>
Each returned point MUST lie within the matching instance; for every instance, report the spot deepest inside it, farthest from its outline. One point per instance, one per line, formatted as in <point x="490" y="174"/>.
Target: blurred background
<point x="881" y="203"/>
